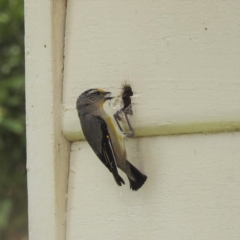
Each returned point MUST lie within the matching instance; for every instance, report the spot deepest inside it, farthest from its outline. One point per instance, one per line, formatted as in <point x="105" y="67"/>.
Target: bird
<point x="104" y="138"/>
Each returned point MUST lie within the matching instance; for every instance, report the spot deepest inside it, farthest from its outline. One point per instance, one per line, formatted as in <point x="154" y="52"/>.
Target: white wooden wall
<point x="192" y="191"/>
<point x="182" y="59"/>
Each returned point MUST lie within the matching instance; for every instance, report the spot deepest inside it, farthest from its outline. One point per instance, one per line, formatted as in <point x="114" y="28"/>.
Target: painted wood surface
<point x="192" y="191"/>
<point x="47" y="148"/>
<point x="182" y="59"/>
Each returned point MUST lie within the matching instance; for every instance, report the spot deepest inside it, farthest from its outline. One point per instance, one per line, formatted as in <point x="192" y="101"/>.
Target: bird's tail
<point x="139" y="178"/>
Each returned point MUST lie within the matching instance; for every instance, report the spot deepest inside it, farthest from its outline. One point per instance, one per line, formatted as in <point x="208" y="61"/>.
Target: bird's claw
<point x="117" y="117"/>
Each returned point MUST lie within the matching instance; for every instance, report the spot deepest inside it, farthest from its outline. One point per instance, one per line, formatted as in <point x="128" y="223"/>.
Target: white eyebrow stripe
<point x="92" y="91"/>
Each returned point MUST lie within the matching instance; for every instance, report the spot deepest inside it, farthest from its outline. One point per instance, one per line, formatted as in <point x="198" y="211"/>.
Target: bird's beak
<point x="106" y="96"/>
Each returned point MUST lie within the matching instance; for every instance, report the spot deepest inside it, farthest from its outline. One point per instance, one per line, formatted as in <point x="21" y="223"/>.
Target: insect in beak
<point x="126" y="110"/>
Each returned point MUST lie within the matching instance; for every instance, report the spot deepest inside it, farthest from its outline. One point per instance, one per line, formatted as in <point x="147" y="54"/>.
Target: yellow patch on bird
<point x="101" y="104"/>
<point x="107" y="136"/>
<point x="112" y="127"/>
<point x="115" y="136"/>
<point x="101" y="90"/>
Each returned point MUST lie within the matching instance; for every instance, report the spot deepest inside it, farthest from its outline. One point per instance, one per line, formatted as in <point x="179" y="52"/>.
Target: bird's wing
<point x="99" y="139"/>
<point x="107" y="155"/>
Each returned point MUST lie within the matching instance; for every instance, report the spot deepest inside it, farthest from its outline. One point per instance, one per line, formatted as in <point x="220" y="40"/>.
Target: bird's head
<point x="93" y="96"/>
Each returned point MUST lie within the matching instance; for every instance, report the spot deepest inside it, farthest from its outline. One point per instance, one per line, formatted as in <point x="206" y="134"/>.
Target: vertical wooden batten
<point x="47" y="148"/>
